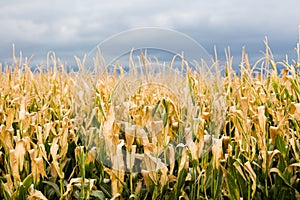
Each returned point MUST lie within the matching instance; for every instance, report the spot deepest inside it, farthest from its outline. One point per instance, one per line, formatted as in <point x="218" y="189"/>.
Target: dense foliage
<point x="52" y="125"/>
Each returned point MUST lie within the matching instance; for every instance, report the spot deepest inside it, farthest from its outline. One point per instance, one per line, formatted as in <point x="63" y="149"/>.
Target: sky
<point x="74" y="27"/>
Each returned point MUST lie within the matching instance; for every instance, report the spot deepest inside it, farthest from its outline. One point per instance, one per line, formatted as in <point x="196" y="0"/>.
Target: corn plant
<point x="62" y="135"/>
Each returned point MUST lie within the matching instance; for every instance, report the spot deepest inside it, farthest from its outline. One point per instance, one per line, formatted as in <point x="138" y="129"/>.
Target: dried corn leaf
<point x="130" y="157"/>
<point x="217" y="152"/>
<point x="38" y="169"/>
<point x="13" y="161"/>
<point x="36" y="195"/>
<point x="129" y="135"/>
<point x="110" y="127"/>
<point x="91" y="156"/>
<point x="6" y="138"/>
<point x="183" y="160"/>
<point x="295" y="111"/>
<point x="249" y="169"/>
<point x="20" y="152"/>
<point x="22" y="113"/>
<point x="261" y="118"/>
<point x="2" y="116"/>
<point x="10" y="117"/>
<point x="274" y="132"/>
<point x="55" y="165"/>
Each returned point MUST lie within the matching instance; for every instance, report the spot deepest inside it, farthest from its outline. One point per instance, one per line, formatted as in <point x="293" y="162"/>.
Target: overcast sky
<point x="72" y="27"/>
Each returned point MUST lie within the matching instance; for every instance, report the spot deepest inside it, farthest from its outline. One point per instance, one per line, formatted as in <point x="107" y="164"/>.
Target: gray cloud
<point x="74" y="27"/>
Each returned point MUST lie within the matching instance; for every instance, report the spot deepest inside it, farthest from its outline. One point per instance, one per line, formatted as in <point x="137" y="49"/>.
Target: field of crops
<point x="61" y="136"/>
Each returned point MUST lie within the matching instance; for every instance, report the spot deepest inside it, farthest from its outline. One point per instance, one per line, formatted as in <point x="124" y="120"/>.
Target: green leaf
<point x="281" y="175"/>
<point x="232" y="186"/>
<point x="5" y="191"/>
<point x="54" y="186"/>
<point x="166" y="115"/>
<point x="22" y="193"/>
<point x="280" y="145"/>
<point x="238" y="167"/>
<point x="101" y="108"/>
<point x="27" y="181"/>
<point x="295" y="85"/>
<point x="155" y="108"/>
<point x="98" y="194"/>
<point x="218" y="183"/>
<point x="165" y="119"/>
<point x="180" y="181"/>
<point x="105" y="188"/>
<point x="191" y="88"/>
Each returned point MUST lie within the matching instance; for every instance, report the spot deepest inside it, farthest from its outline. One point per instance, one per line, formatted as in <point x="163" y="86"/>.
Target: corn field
<point x="58" y="128"/>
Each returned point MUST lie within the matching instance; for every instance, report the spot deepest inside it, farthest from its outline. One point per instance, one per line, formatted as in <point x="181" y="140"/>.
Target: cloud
<point x="74" y="27"/>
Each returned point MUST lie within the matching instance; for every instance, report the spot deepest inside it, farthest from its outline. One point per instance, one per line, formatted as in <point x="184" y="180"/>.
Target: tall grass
<point x="60" y="137"/>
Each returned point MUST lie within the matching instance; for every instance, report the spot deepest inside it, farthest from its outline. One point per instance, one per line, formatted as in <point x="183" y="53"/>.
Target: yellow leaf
<point x="261" y="117"/>
<point x="36" y="195"/>
<point x="129" y="135"/>
<point x="42" y="152"/>
<point x="115" y="183"/>
<point x="2" y="116"/>
<point x="183" y="160"/>
<point x="295" y="110"/>
<point x="146" y="177"/>
<point x="6" y="138"/>
<point x="274" y="131"/>
<point x="116" y="196"/>
<point x="217" y="152"/>
<point x="271" y="155"/>
<point x="156" y="127"/>
<point x="293" y="144"/>
<point x="171" y="156"/>
<point x="263" y="97"/>
<point x="142" y="137"/>
<point x="47" y="128"/>
<point x="54" y="148"/>
<point x="294" y="165"/>
<point x="22" y="112"/>
<point x="238" y="165"/>
<point x="205" y="115"/>
<point x="138" y="187"/>
<point x="53" y="172"/>
<point x="130" y="157"/>
<point x="91" y="156"/>
<point x="164" y="175"/>
<point x="39" y="135"/>
<point x="53" y="151"/>
<point x="32" y="153"/>
<point x="252" y="175"/>
<point x="38" y="170"/>
<point x="110" y="128"/>
<point x="9" y="185"/>
<point x="280" y="115"/>
<point x="9" y="118"/>
<point x="13" y="160"/>
<point x="20" y="152"/>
